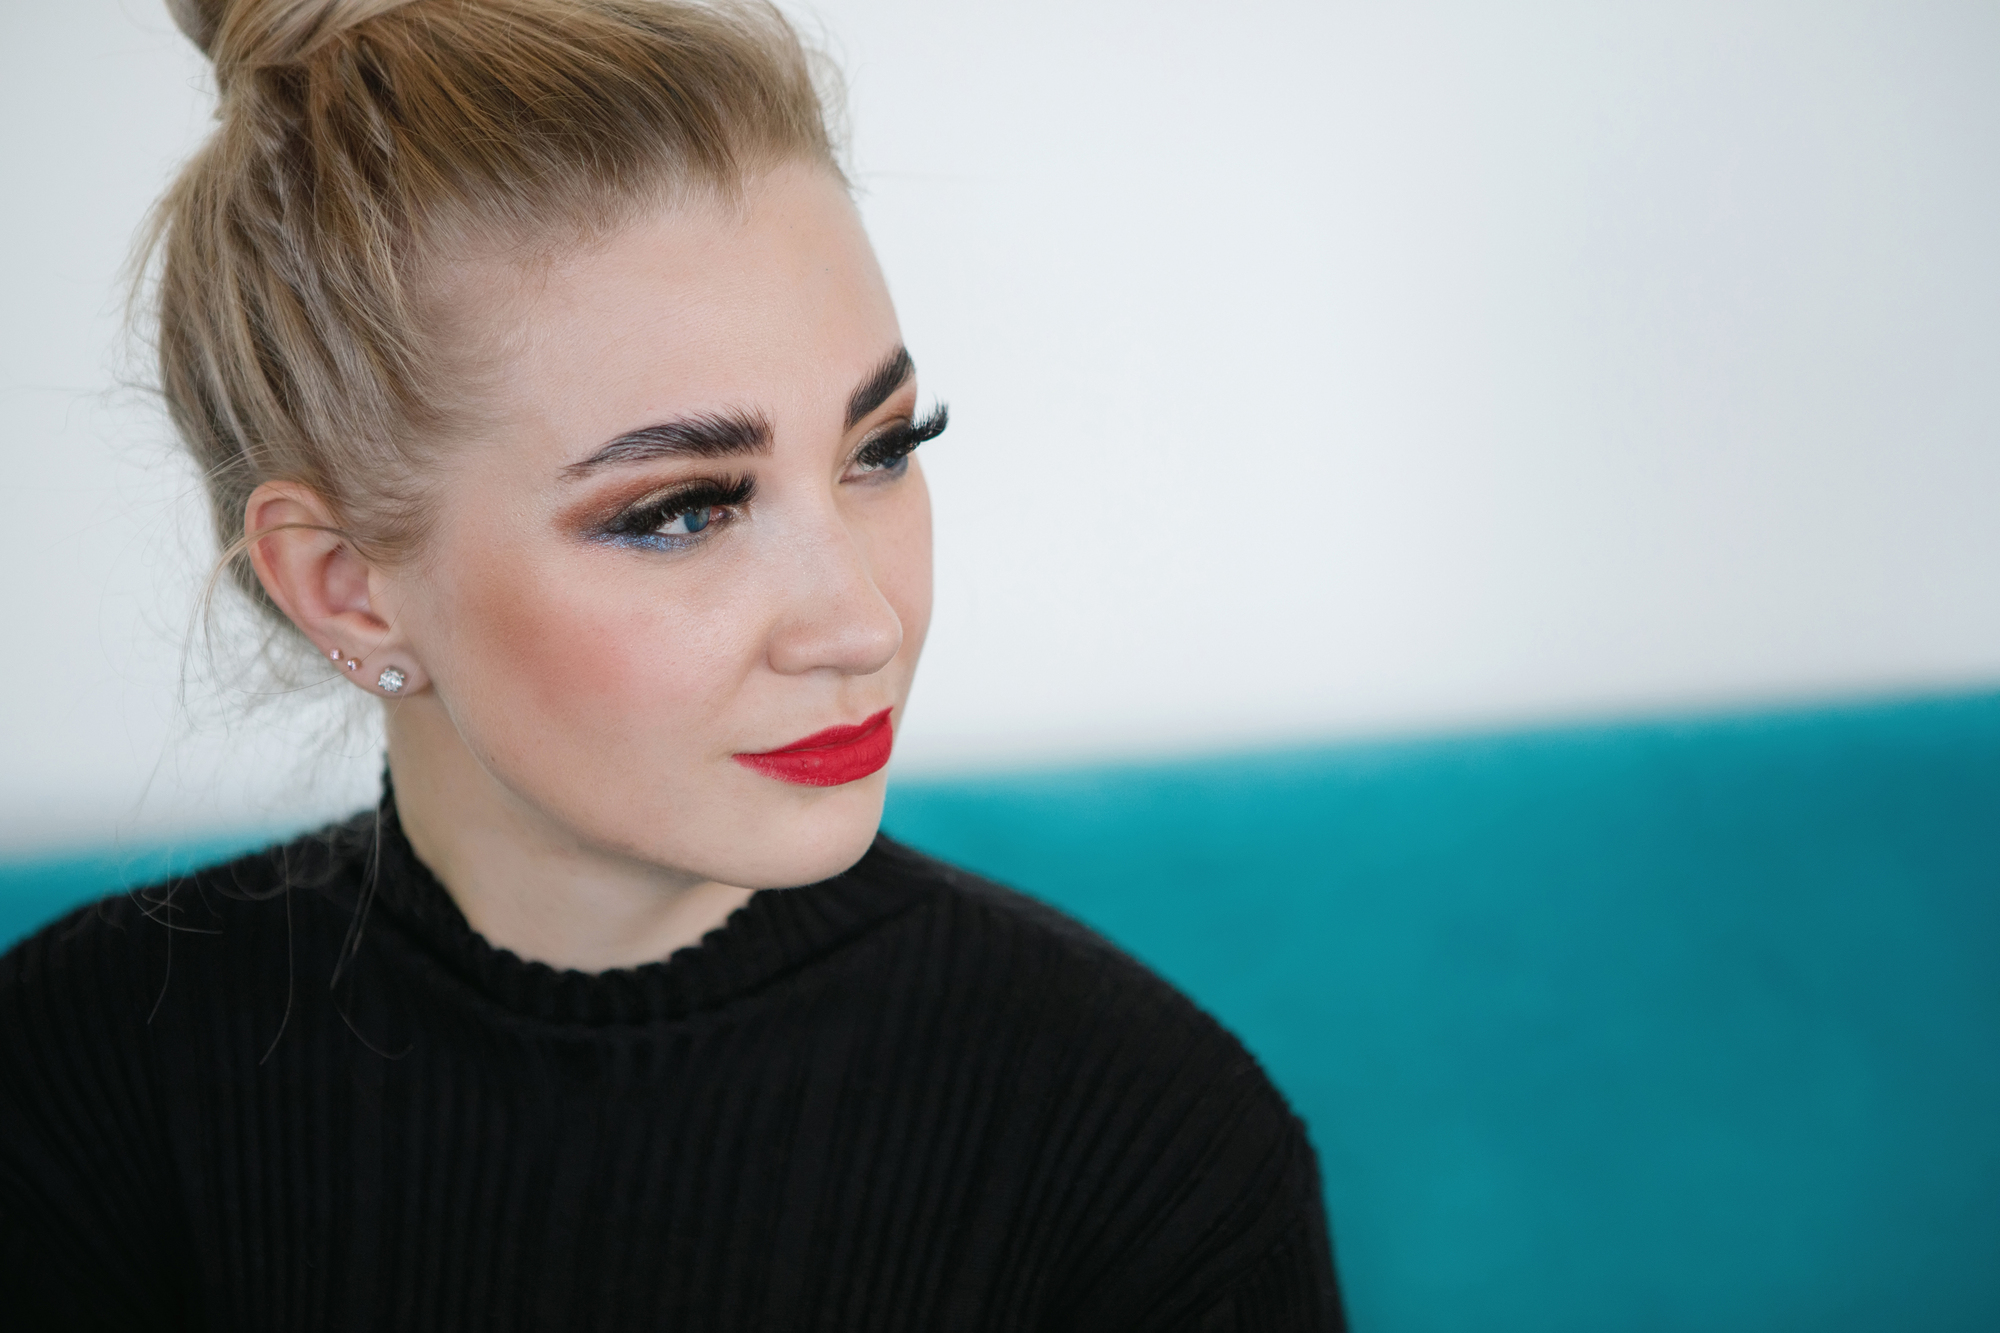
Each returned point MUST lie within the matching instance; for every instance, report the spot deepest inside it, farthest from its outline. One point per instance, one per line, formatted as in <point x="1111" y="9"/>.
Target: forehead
<point x="771" y="301"/>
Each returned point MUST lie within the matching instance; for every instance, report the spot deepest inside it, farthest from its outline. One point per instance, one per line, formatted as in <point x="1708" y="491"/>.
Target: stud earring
<point x="334" y="653"/>
<point x="391" y="680"/>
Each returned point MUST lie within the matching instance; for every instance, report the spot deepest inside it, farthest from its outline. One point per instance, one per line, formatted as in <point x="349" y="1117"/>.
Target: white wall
<point x="1316" y="369"/>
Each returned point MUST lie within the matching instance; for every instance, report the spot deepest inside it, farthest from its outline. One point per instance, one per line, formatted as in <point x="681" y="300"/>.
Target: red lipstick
<point x="828" y="758"/>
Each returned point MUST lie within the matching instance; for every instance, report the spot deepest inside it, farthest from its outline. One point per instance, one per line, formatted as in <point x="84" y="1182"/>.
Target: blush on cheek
<point x="585" y="665"/>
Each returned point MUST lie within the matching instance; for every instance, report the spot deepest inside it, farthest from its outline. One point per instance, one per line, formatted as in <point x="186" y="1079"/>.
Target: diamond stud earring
<point x="391" y="680"/>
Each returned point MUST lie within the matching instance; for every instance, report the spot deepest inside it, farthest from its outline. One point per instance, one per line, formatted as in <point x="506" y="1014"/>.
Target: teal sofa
<point x="1687" y="1025"/>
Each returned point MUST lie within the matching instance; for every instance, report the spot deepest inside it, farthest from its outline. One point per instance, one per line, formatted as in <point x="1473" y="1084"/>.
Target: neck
<point x="524" y="882"/>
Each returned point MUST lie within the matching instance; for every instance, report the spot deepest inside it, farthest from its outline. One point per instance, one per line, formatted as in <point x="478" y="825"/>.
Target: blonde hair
<point x="362" y="142"/>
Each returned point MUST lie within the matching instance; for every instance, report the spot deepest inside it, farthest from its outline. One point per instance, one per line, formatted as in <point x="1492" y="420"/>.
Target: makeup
<point x="828" y="758"/>
<point x="693" y="506"/>
<point x="889" y="448"/>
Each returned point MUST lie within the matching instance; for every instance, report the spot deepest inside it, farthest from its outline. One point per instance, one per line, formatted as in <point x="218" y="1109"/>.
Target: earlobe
<point x="319" y="580"/>
<point x="390" y="679"/>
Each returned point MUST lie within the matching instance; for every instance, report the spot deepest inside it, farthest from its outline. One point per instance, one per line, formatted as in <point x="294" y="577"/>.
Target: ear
<point x="327" y="589"/>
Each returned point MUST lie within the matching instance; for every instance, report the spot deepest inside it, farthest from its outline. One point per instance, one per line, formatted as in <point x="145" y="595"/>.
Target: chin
<point x="790" y="836"/>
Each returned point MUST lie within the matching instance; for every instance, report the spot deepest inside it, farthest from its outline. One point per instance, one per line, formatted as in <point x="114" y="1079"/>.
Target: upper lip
<point x="833" y="737"/>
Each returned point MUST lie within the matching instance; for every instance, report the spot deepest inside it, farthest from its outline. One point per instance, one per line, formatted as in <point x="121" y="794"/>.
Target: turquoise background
<point x="1674" y="1026"/>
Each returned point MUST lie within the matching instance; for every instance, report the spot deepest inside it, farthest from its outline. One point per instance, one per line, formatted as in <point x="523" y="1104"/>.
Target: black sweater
<point x="264" y="1098"/>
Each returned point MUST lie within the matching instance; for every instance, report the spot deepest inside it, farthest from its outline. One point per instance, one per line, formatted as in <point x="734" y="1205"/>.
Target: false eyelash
<point x="648" y="516"/>
<point x="899" y="440"/>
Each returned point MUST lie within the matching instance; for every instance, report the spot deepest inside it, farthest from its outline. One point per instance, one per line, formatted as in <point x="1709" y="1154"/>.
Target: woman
<point x="547" y="388"/>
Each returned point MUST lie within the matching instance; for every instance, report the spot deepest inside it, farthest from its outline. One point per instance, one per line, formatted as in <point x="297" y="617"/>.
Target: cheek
<point x="590" y="648"/>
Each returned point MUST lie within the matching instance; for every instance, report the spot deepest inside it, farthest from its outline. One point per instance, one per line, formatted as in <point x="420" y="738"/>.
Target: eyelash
<point x="640" y="525"/>
<point x="899" y="441"/>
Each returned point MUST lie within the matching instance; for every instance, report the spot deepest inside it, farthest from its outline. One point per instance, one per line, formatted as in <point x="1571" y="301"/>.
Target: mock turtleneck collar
<point x="775" y="933"/>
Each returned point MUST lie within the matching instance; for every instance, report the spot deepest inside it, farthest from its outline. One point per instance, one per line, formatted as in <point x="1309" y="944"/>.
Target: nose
<point x="834" y="615"/>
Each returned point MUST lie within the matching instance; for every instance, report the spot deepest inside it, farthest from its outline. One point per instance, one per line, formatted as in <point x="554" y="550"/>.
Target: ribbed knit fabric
<point x="261" y="1098"/>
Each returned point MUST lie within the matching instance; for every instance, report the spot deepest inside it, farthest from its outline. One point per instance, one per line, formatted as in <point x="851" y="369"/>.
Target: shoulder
<point x="115" y="959"/>
<point x="981" y="915"/>
<point x="1029" y="956"/>
<point x="102" y="1014"/>
<point x="993" y="907"/>
<point x="1200" y="1169"/>
<point x="95" y="1014"/>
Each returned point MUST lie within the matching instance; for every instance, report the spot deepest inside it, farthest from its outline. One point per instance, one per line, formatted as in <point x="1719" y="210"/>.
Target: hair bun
<point x="201" y="20"/>
<point x="259" y="32"/>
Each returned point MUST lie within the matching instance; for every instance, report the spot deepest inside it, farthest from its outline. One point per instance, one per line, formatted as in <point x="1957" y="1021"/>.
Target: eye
<point x="893" y="466"/>
<point x="887" y="454"/>
<point x="689" y="522"/>
<point x="684" y="517"/>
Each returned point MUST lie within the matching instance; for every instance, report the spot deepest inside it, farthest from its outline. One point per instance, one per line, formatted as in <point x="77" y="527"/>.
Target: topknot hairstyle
<point x="361" y="142"/>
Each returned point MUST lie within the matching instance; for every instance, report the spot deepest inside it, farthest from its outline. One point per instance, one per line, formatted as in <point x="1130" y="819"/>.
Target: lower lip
<point x="829" y="758"/>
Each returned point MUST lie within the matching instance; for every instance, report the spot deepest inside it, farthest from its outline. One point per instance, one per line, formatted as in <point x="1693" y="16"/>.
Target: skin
<point x="562" y="752"/>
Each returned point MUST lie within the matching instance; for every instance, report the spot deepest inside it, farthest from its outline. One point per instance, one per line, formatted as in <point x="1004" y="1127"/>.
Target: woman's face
<point x="692" y="535"/>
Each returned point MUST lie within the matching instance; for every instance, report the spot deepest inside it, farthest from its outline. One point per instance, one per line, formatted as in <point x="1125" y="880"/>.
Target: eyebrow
<point x="733" y="434"/>
<point x="891" y="375"/>
<point x="726" y="435"/>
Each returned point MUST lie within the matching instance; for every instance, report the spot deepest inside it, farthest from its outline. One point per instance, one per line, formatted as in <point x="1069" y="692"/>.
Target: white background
<point x="1316" y="370"/>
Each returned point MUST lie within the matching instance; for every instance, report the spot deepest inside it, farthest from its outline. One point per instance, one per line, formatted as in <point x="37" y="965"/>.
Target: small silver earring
<point x="391" y="680"/>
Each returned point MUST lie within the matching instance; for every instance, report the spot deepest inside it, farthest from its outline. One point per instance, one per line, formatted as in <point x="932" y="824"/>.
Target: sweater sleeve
<point x="1218" y="1223"/>
<point x="1290" y="1286"/>
<point x="1177" y="1190"/>
<point x="1286" y="1283"/>
<point x="88" y="1237"/>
